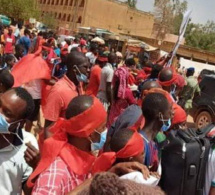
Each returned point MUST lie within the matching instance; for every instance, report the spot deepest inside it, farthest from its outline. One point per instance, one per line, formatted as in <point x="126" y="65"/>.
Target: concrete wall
<point x="118" y="18"/>
<point x="183" y="51"/>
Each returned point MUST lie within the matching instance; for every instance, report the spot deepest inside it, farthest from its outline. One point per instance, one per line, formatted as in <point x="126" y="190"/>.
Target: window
<point x="61" y="2"/>
<point x="41" y="1"/>
<point x="79" y="20"/>
<point x="52" y="2"/>
<point x="59" y="16"/>
<point x="71" y="2"/>
<point x="44" y="1"/>
<point x="55" y="15"/>
<point x="64" y="17"/>
<point x="76" y="2"/>
<point x="66" y="2"/>
<point x="68" y="18"/>
<point x="82" y="3"/>
<point x="57" y="2"/>
<point x="49" y="1"/>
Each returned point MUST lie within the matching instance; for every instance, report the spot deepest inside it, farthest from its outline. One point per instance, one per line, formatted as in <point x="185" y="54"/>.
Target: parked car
<point x="205" y="72"/>
<point x="203" y="111"/>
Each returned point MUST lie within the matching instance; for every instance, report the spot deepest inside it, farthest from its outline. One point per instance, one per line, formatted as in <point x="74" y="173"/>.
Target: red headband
<point x="159" y="90"/>
<point x="168" y="83"/>
<point x="85" y="123"/>
<point x="82" y="125"/>
<point x="180" y="115"/>
<point x="134" y="147"/>
<point x="102" y="59"/>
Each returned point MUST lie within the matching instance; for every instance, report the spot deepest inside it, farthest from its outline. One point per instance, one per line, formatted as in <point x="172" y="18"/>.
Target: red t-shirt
<point x="95" y="78"/>
<point x="9" y="42"/>
<point x="57" y="99"/>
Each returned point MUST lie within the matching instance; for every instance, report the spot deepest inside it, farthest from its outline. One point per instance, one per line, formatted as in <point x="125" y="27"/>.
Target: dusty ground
<point x="190" y="122"/>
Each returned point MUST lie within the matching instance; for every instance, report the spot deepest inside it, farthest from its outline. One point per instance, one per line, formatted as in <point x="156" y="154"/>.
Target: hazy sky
<point x="203" y="10"/>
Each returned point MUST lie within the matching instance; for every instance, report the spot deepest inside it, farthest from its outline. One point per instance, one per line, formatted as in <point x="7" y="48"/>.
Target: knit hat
<point x="110" y="184"/>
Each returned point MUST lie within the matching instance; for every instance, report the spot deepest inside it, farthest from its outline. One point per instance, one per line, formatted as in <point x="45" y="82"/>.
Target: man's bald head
<point x="78" y="105"/>
<point x="151" y="84"/>
<point x="77" y="63"/>
<point x="75" y="58"/>
<point x="166" y="75"/>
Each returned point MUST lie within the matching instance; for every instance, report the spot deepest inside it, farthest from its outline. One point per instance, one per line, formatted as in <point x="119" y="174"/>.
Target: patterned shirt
<point x="57" y="179"/>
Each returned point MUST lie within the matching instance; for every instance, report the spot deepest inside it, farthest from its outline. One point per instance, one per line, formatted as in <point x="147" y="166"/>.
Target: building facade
<point x="112" y="15"/>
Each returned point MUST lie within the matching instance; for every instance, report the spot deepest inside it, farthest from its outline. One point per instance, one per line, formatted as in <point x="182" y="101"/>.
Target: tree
<point x="168" y="16"/>
<point x="179" y="8"/>
<point x="49" y="20"/>
<point x="19" y="9"/>
<point x="201" y="36"/>
<point x="132" y="3"/>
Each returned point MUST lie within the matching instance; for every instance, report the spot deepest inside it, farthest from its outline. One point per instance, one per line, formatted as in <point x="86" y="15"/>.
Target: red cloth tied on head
<point x="82" y="125"/>
<point x="168" y="83"/>
<point x="134" y="147"/>
<point x="30" y="67"/>
<point x="85" y="123"/>
<point x="159" y="90"/>
<point x="103" y="59"/>
<point x="121" y="74"/>
<point x="180" y="115"/>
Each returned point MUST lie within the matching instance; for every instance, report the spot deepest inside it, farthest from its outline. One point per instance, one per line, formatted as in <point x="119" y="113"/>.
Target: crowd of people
<point x="107" y="117"/>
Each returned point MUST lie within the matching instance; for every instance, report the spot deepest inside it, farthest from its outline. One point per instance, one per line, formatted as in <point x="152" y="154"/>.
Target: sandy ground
<point x="190" y="122"/>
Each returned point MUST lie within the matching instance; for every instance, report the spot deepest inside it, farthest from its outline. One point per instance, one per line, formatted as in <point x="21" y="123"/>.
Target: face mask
<point x="172" y="92"/>
<point x="99" y="145"/>
<point x="4" y="129"/>
<point x="81" y="78"/>
<point x="4" y="125"/>
<point x="114" y="65"/>
<point x="166" y="124"/>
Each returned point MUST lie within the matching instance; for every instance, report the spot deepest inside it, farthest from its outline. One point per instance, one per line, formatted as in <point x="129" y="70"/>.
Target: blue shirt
<point x="26" y="42"/>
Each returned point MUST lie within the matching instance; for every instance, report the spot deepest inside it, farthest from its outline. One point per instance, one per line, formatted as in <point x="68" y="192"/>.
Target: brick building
<point x="107" y="14"/>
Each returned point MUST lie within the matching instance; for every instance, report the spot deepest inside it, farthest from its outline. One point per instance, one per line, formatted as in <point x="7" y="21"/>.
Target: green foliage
<point x="132" y="3"/>
<point x="201" y="36"/>
<point x="19" y="9"/>
<point x="48" y="20"/>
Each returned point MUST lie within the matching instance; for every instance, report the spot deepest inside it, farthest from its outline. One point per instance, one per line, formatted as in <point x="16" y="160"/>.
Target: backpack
<point x="184" y="160"/>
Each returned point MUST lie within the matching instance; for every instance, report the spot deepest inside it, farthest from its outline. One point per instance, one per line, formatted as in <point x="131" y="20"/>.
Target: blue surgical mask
<point x="99" y="145"/>
<point x="4" y="125"/>
<point x="114" y="65"/>
<point x="82" y="78"/>
<point x="4" y="129"/>
<point x="166" y="123"/>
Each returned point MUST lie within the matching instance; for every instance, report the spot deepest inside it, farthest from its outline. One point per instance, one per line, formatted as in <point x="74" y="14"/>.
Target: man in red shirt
<point x="9" y="41"/>
<point x="95" y="76"/>
<point x="57" y="97"/>
<point x="67" y="158"/>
